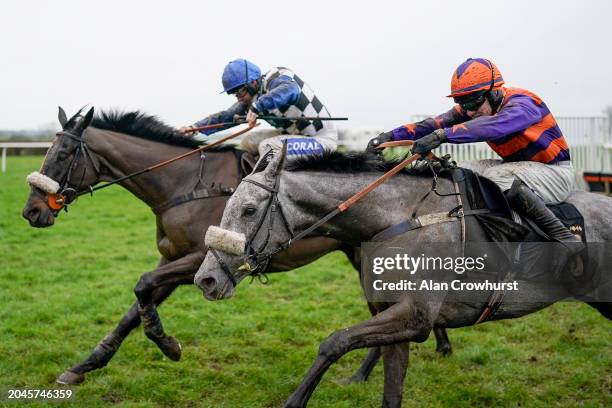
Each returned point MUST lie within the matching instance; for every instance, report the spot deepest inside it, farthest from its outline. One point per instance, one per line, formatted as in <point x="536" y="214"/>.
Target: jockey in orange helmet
<point x="518" y="126"/>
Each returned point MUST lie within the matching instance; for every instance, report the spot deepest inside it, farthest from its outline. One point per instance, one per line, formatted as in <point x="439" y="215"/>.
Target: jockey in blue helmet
<point x="279" y="93"/>
<point x="239" y="73"/>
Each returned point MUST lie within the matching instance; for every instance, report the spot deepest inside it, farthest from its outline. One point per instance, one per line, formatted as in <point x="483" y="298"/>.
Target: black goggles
<point x="238" y="91"/>
<point x="473" y="104"/>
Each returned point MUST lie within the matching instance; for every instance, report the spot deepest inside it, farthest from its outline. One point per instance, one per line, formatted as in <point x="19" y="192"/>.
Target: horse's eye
<point x="249" y="211"/>
<point x="62" y="155"/>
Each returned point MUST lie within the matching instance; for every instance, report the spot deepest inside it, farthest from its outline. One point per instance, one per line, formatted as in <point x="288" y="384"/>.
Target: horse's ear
<point x="276" y="164"/>
<point x="88" y="117"/>
<point x="86" y="120"/>
<point x="61" y="116"/>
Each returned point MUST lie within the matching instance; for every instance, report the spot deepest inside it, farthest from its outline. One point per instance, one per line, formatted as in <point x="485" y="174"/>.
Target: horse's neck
<point x="122" y="154"/>
<point x="315" y="194"/>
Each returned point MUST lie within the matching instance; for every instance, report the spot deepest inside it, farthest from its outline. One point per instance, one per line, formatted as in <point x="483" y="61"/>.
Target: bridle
<point x="256" y="260"/>
<point x="68" y="192"/>
<point x="66" y="195"/>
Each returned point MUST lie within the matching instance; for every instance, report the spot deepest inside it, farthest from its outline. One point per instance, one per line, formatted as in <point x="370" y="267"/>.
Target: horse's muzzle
<point x="212" y="281"/>
<point x="37" y="212"/>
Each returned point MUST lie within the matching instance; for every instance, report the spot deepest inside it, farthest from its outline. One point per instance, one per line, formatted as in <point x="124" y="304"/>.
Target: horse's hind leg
<point x="443" y="345"/>
<point x="180" y="271"/>
<point x="370" y="360"/>
<point x="605" y="308"/>
<point x="367" y="365"/>
<point x="402" y="322"/>
<point x="106" y="349"/>
<point x="395" y="358"/>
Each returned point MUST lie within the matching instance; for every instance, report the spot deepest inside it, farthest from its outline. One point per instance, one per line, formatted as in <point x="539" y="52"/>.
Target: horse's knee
<point x="144" y="285"/>
<point x="420" y="334"/>
<point x="334" y="347"/>
<point x="419" y="325"/>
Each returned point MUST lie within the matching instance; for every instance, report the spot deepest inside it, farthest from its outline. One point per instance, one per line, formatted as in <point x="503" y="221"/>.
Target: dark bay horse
<point x="118" y="144"/>
<point x="306" y="195"/>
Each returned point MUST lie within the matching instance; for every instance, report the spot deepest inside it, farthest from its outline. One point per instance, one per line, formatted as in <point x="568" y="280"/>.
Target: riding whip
<point x="268" y="117"/>
<point x="242" y="120"/>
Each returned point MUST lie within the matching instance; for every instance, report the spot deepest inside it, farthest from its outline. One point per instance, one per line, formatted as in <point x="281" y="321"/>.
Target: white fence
<point x="588" y="136"/>
<point x="8" y="145"/>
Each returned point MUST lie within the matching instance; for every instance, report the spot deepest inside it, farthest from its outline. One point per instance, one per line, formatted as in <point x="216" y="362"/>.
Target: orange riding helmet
<point x="474" y="75"/>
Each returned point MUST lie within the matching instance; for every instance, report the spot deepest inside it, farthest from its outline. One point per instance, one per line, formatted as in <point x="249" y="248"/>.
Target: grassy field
<point x="63" y="288"/>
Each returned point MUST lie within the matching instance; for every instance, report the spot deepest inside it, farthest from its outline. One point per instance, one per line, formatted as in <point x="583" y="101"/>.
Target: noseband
<point x="66" y="194"/>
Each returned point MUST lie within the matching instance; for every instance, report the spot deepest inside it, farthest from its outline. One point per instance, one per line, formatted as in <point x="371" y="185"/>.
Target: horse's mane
<point x="145" y="126"/>
<point x="351" y="162"/>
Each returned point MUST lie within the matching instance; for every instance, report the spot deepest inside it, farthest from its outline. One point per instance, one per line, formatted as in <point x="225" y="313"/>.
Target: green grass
<point x="63" y="288"/>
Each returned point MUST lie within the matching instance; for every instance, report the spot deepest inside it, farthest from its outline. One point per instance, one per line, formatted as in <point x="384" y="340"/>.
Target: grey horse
<point x="307" y="196"/>
<point x="118" y="144"/>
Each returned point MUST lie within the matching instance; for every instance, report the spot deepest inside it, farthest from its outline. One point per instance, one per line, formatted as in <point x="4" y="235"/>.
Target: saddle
<point x="483" y="200"/>
<point x="483" y="206"/>
<point x="501" y="224"/>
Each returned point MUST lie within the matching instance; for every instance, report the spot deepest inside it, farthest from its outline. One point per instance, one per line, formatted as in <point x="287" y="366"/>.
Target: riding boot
<point x="525" y="201"/>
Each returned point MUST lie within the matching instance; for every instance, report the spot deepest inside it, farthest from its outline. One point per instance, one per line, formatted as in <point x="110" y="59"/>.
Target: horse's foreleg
<point x="106" y="349"/>
<point x="443" y="346"/>
<point x="403" y="322"/>
<point x="395" y="358"/>
<point x="180" y="271"/>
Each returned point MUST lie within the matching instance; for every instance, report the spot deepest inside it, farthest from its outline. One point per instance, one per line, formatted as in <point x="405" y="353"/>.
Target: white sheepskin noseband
<point x="46" y="184"/>
<point x="224" y="240"/>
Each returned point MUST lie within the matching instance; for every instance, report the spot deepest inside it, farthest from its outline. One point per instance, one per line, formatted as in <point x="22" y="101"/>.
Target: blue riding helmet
<point x="239" y="73"/>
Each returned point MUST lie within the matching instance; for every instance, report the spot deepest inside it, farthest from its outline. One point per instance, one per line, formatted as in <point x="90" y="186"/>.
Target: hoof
<point x="445" y="350"/>
<point x="170" y="347"/>
<point x="70" y="378"/>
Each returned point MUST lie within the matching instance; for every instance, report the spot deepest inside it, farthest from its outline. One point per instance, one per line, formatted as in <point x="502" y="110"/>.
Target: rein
<point x="257" y="260"/>
<point x="66" y="195"/>
<point x="166" y="162"/>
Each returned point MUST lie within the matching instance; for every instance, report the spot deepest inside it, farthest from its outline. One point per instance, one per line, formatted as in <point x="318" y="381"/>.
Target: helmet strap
<point x="253" y="89"/>
<point x="495" y="98"/>
<point x="491" y="95"/>
<point x="250" y="88"/>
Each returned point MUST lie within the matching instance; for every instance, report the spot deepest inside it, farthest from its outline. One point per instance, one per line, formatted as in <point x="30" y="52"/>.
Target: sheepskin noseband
<point x="224" y="240"/>
<point x="46" y="184"/>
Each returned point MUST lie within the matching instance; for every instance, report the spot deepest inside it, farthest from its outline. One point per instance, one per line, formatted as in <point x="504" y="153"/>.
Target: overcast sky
<point x="374" y="61"/>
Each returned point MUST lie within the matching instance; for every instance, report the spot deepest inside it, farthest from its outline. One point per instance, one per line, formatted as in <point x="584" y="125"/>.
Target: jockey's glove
<point x="378" y="140"/>
<point x="429" y="142"/>
<point x="188" y="131"/>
